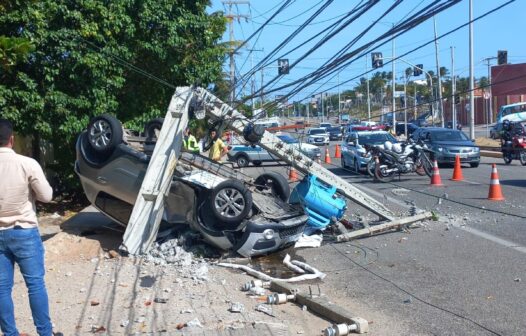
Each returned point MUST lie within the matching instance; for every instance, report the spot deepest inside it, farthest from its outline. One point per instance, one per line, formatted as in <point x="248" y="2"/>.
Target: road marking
<point x="495" y="239"/>
<point x="380" y="196"/>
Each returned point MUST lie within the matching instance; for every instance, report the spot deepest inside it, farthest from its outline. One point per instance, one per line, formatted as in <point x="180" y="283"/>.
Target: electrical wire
<point x="392" y="283"/>
<point x="405" y="54"/>
<point x="388" y="36"/>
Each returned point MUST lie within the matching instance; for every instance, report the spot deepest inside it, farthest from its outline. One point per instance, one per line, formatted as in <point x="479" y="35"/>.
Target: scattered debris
<point x="236" y="307"/>
<point x="408" y="300"/>
<point x="186" y="311"/>
<point x="266" y="309"/>
<point x="315" y="274"/>
<point x="194" y="323"/>
<point x="292" y="267"/>
<point x="160" y="300"/>
<point x="97" y="329"/>
<point x="125" y="323"/>
<point x="94" y="303"/>
<point x="309" y="241"/>
<point x="517" y="280"/>
<point x="257" y="291"/>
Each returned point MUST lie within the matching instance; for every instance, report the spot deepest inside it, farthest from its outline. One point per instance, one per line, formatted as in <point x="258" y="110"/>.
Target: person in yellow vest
<point x="218" y="148"/>
<point x="190" y="142"/>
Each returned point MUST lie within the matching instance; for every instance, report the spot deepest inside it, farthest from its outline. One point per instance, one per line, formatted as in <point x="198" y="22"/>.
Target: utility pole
<point x="252" y="80"/>
<point x="471" y="76"/>
<point x="368" y="94"/>
<point x="262" y="94"/>
<point x="453" y="89"/>
<point x="440" y="106"/>
<point x="231" y="16"/>
<point x="339" y="98"/>
<point x="394" y="85"/>
<point x="488" y="59"/>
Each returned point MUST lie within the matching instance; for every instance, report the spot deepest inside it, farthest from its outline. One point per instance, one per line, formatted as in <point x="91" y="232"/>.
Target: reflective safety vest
<point x="190" y="144"/>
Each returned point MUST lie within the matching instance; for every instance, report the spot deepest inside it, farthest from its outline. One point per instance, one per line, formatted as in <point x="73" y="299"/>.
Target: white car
<point x="318" y="136"/>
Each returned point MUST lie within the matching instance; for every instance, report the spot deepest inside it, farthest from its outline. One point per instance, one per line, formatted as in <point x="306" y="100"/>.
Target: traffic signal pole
<point x="471" y="76"/>
<point x="453" y="89"/>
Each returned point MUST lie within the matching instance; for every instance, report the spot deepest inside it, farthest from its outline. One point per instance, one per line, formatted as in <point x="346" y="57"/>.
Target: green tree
<point x="90" y="57"/>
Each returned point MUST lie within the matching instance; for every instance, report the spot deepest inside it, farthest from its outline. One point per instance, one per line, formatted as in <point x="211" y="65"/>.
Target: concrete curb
<point x="493" y="154"/>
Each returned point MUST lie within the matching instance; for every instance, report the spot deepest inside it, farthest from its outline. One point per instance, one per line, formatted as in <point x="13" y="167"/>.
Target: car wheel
<point x="104" y="133"/>
<point x="242" y="161"/>
<point x="522" y="158"/>
<point x="230" y="202"/>
<point x="356" y="166"/>
<point x="342" y="162"/>
<point x="474" y="164"/>
<point x="256" y="163"/>
<point x="152" y="128"/>
<point x="275" y="183"/>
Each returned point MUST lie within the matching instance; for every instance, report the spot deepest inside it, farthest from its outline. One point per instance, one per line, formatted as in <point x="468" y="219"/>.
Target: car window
<point x="375" y="138"/>
<point x="317" y="131"/>
<point x="450" y="135"/>
<point x="334" y="129"/>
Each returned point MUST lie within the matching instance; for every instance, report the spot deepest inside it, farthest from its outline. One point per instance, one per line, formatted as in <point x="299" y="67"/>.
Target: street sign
<point x="486" y="95"/>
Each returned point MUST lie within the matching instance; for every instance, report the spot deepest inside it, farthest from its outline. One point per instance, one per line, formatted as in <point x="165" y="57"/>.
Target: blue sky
<point x="502" y="30"/>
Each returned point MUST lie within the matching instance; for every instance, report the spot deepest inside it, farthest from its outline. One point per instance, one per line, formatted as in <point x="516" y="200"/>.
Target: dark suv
<point x="400" y="128"/>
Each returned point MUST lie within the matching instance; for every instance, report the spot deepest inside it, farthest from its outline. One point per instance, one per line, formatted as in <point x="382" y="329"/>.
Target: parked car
<point x="335" y="133"/>
<point x="326" y="126"/>
<point x="230" y="210"/>
<point x="495" y="131"/>
<point x="354" y="153"/>
<point x="446" y="143"/>
<point x="244" y="154"/>
<point x="400" y="128"/>
<point x="318" y="136"/>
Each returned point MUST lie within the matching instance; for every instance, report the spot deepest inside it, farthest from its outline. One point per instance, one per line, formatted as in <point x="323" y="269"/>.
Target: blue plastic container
<point x="319" y="200"/>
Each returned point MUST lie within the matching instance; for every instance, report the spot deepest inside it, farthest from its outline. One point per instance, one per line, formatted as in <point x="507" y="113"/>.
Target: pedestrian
<point x="218" y="148"/>
<point x="190" y="142"/>
<point x="22" y="183"/>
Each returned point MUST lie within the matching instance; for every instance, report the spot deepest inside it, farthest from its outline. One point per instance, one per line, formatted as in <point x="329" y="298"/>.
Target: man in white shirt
<point x="22" y="182"/>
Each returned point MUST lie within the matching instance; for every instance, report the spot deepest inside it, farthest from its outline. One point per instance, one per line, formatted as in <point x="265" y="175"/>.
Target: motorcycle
<point x="411" y="159"/>
<point x="514" y="149"/>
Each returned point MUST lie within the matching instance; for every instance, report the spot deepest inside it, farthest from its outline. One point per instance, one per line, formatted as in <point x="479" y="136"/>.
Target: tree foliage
<point x="90" y="57"/>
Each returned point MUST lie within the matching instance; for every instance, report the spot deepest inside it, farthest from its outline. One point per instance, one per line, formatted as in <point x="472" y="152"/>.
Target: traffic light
<point x="502" y="57"/>
<point x="457" y="99"/>
<point x="377" y="60"/>
<point x="283" y="66"/>
<point x="417" y="70"/>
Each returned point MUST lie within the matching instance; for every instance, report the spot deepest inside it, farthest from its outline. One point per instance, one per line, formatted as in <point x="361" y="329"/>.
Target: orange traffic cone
<point x="435" y="175"/>
<point x="457" y="172"/>
<point x="293" y="175"/>
<point x="495" y="191"/>
<point x="327" y="156"/>
<point x="337" y="152"/>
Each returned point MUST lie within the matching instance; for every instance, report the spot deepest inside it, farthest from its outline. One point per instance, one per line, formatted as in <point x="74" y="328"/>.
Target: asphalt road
<point x="461" y="275"/>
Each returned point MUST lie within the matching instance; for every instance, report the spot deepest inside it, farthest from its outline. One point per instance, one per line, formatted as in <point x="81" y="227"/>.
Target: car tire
<point x="277" y="184"/>
<point x="104" y="134"/>
<point x="151" y="127"/>
<point x="229" y="202"/>
<point x="242" y="161"/>
<point x="474" y="164"/>
<point x="342" y="162"/>
<point x="522" y="157"/>
<point x="356" y="166"/>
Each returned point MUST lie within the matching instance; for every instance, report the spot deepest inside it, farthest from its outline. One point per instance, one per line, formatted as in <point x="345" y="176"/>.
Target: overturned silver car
<point x="231" y="210"/>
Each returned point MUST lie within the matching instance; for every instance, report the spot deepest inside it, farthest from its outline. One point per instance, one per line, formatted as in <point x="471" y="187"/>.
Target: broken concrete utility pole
<point x="148" y="209"/>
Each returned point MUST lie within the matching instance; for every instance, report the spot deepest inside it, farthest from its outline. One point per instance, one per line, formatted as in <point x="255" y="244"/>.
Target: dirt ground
<point x="95" y="291"/>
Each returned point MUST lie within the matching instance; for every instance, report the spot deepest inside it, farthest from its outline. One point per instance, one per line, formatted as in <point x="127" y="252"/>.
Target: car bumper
<point x="450" y="158"/>
<point x="262" y="237"/>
